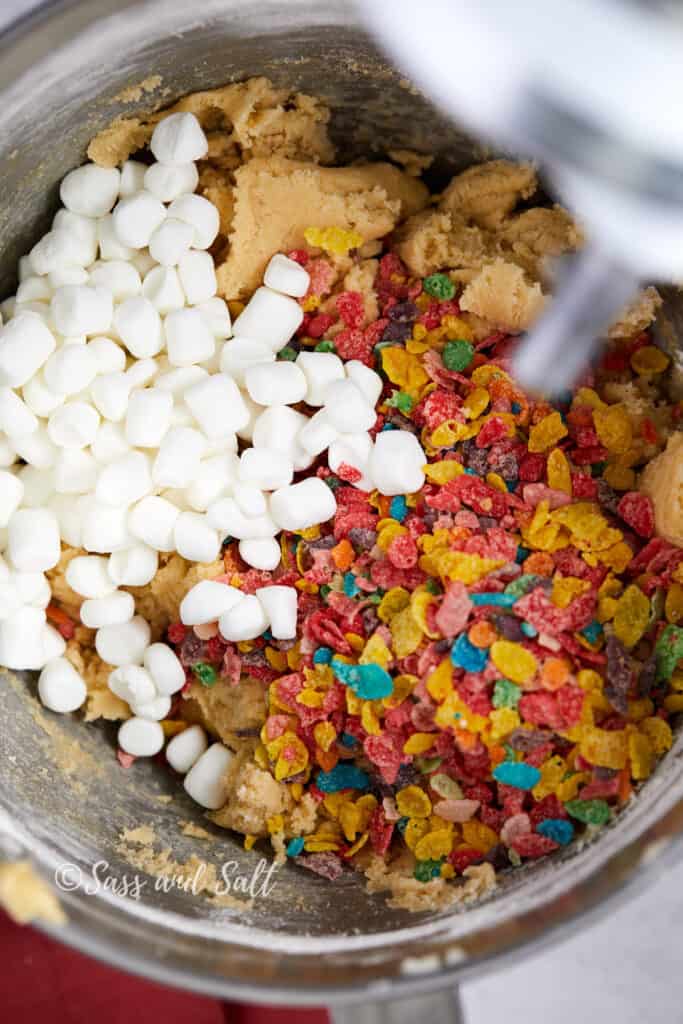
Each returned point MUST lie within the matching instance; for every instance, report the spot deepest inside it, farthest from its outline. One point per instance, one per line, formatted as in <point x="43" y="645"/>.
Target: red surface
<point x="43" y="981"/>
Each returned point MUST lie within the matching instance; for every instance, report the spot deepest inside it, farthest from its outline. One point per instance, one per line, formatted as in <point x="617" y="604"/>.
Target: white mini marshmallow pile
<point x="125" y="390"/>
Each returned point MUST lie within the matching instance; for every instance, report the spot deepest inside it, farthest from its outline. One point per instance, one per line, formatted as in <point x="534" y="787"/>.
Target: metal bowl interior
<point x="68" y="801"/>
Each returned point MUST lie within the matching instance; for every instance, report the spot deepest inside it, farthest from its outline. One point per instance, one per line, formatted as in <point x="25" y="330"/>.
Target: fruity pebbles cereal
<point x="434" y="677"/>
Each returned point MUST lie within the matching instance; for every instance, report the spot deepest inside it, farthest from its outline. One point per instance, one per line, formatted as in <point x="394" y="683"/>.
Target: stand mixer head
<point x="589" y="90"/>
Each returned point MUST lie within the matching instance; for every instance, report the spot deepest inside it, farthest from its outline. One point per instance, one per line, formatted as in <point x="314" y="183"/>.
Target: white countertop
<point x="623" y="970"/>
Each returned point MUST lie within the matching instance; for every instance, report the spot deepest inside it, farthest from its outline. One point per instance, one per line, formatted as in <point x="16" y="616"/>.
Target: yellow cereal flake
<point x="649" y="360"/>
<point x="658" y="732"/>
<point x="443" y="472"/>
<point x="434" y="845"/>
<point x="503" y="722"/>
<point x="476" y="402"/>
<point x="641" y="755"/>
<point x="513" y="661"/>
<point x="547" y="433"/>
<point x="413" y="802"/>
<point x="334" y="240"/>
<point x="613" y="427"/>
<point x="621" y="478"/>
<point x="631" y="616"/>
<point x="406" y="635"/>
<point x="559" y="474"/>
<point x="566" y="588"/>
<point x="394" y="601"/>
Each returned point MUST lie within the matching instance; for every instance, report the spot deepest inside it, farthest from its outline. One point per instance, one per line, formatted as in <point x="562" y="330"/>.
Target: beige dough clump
<point x="276" y="199"/>
<point x="638" y="315"/>
<point x="488" y="193"/>
<point x="662" y="480"/>
<point x="227" y="710"/>
<point x="501" y="295"/>
<point x="26" y="896"/>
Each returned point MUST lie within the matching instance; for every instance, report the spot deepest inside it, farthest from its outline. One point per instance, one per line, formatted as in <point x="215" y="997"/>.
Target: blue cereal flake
<point x="343" y="776"/>
<point x="466" y="655"/>
<point x="351" y="588"/>
<point x="529" y="630"/>
<point x="295" y="846"/>
<point x="557" y="829"/>
<point x="398" y="509"/>
<point x="592" y="632"/>
<point x="518" y="774"/>
<point x="322" y="656"/>
<point x="500" y="600"/>
<point x="522" y="554"/>
<point x="347" y="740"/>
<point x="369" y="682"/>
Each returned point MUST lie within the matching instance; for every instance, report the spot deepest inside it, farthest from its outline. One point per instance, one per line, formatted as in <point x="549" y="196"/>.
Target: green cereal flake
<point x="506" y="694"/>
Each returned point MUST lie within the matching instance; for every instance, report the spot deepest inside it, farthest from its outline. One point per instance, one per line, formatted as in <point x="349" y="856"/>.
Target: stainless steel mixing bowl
<point x="310" y="941"/>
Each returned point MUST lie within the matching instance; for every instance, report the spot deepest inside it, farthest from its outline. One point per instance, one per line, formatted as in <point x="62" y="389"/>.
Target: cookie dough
<point x="662" y="480"/>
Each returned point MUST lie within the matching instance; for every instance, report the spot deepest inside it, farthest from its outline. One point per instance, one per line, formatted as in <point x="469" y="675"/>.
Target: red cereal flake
<point x="438" y="406"/>
<point x="479" y="791"/>
<point x="402" y="552"/>
<point x="176" y="633"/>
<point x="318" y="325"/>
<point x="299" y="256"/>
<point x="349" y="305"/>
<point x="483" y="499"/>
<point x="584" y="486"/>
<point x="532" y="468"/>
<point x="454" y="610"/>
<point x="382" y="751"/>
<point x="493" y="430"/>
<point x="321" y="628"/>
<point x="464" y="857"/>
<point x="124" y="759"/>
<point x="548" y="807"/>
<point x="381" y="831"/>
<point x="638" y="512"/>
<point x="348" y="473"/>
<point x="531" y="845"/>
<point x="587" y="456"/>
<point x="322" y="275"/>
<point x="649" y="431"/>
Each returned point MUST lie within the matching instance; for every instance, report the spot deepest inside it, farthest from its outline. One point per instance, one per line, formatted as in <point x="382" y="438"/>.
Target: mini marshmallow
<point x="32" y="588"/>
<point x="33" y="288"/>
<point x="321" y="370"/>
<point x="277" y="428"/>
<point x="11" y="495"/>
<point x="39" y="486"/>
<point x="250" y="499"/>
<point x="286" y="276"/>
<point x="141" y="372"/>
<point x="246" y="432"/>
<point x="88" y="575"/>
<point x="33" y="540"/>
<point x="132" y="683"/>
<point x="217" y="406"/>
<point x="185" y="749"/>
<point x="72" y="368"/>
<point x="178" y="139"/>
<point x="113" y="610"/>
<point x="353" y="450"/>
<point x="266" y="468"/>
<point x="110" y="247"/>
<point x="81" y="309"/>
<point x="396" y="463"/>
<point x="171" y="241"/>
<point x="207" y="601"/>
<point x="302" y="505"/>
<point x="110" y="393"/>
<point x="139" y="326"/>
<point x="109" y="357"/>
<point x="177" y="461"/>
<point x="197" y="276"/>
<point x="134" y="566"/>
<point x="140" y="737"/>
<point x="10" y="601"/>
<point x="136" y="218"/>
<point x="163" y="289"/>
<point x="118" y="277"/>
<point x="269" y="317"/>
<point x="165" y="668"/>
<point x="80" y="227"/>
<point x="75" y="471"/>
<point x="369" y="382"/>
<point x="280" y="383"/>
<point x="109" y="443"/>
<point x="25" y="344"/>
<point x="154" y="710"/>
<point x="214" y="476"/>
<point x="67" y="275"/>
<point x="148" y="417"/>
<point x="104" y="527"/>
<point x="60" y="687"/>
<point x="142" y="261"/>
<point x="245" y="621"/>
<point x="217" y="315"/>
<point x="153" y="520"/>
<point x="58" y="249"/>
<point x="168" y="182"/>
<point x="37" y="448"/>
<point x="188" y="338"/>
<point x="124" y="481"/>
<point x="280" y="608"/>
<point x="195" y="539"/>
<point x="347" y="408"/>
<point x="132" y="177"/>
<point x="124" y="644"/>
<point x="318" y="434"/>
<point x="53" y="643"/>
<point x="73" y="425"/>
<point x="181" y="378"/>
<point x="239" y="354"/>
<point x="38" y="396"/>
<point x="264" y="554"/>
<point x="66" y="509"/>
<point x="90" y="190"/>
<point x="206" y="781"/>
<point x="201" y="214"/>
<point x="226" y="515"/>
<point x="15" y="416"/>
<point x="21" y="639"/>
<point x="7" y="453"/>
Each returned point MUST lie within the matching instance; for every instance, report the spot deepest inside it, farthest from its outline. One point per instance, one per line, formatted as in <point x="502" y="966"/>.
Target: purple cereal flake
<point x="191" y="650"/>
<point x="619" y="675"/>
<point x="608" y="497"/>
<point x="326" y="864"/>
<point x="403" y="312"/>
<point x="647" y="677"/>
<point x="397" y="331"/>
<point x="510" y="627"/>
<point x="526" y="740"/>
<point x="361" y="538"/>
